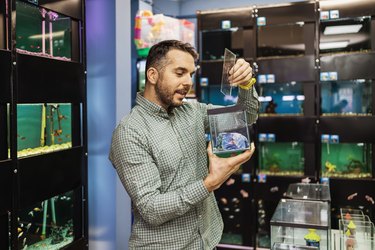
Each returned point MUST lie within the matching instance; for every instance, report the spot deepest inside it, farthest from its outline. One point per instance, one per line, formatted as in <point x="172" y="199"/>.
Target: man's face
<point x="174" y="80"/>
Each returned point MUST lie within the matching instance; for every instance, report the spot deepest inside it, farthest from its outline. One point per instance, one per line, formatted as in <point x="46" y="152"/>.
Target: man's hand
<point x="220" y="169"/>
<point x="241" y="73"/>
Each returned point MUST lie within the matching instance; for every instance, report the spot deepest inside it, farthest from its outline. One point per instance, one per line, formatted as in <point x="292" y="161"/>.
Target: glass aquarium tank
<point x="301" y="222"/>
<point x="228" y="130"/>
<point x="345" y="35"/>
<point x="308" y="191"/>
<point x="353" y="98"/>
<point x="346" y="160"/>
<point x="281" y="158"/>
<point x="281" y="40"/>
<point x="215" y="41"/>
<point x="281" y="98"/>
<point x="47" y="224"/>
<point x="357" y="235"/>
<point x="43" y="128"/>
<point x="42" y="32"/>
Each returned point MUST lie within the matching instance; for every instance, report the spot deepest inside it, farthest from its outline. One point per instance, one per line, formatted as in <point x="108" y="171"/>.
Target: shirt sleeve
<point x="141" y="179"/>
<point x="248" y="100"/>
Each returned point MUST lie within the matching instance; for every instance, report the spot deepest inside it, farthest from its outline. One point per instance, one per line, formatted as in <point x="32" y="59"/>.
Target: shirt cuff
<point x="197" y="192"/>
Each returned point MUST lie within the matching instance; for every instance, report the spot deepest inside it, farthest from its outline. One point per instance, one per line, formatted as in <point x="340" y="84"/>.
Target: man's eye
<point x="180" y="74"/>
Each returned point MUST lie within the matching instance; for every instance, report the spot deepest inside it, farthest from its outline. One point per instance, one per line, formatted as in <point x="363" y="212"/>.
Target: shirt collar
<point x="151" y="107"/>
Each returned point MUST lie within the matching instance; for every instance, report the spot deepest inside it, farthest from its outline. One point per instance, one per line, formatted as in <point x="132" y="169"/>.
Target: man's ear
<point x="152" y="75"/>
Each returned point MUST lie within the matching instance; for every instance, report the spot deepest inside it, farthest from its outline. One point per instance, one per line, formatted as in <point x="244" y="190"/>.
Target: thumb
<point x="209" y="150"/>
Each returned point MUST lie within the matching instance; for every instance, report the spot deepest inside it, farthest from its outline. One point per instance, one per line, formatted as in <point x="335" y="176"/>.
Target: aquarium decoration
<point x="47" y="224"/>
<point x="43" y="128"/>
<point x="312" y="238"/>
<point x="42" y="32"/>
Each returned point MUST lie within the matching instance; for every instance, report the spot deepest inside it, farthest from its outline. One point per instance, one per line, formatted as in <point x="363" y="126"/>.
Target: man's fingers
<point x="243" y="157"/>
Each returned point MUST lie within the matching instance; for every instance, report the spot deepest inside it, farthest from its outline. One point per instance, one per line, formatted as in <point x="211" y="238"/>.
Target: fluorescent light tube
<point x="342" y="29"/>
<point x="333" y="45"/>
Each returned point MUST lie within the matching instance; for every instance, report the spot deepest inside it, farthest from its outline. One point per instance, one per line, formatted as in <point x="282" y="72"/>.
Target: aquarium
<point x="281" y="158"/>
<point x="342" y="98"/>
<point x="345" y="35"/>
<point x="281" y="40"/>
<point x="301" y="222"/>
<point x="228" y="130"/>
<point x="47" y="224"/>
<point x="265" y="210"/>
<point x="43" y="128"/>
<point x="211" y="94"/>
<point x="231" y="209"/>
<point x="346" y="160"/>
<point x="357" y="235"/>
<point x="308" y="191"/>
<point x="215" y="41"/>
<point x="282" y="246"/>
<point x="42" y="32"/>
<point x="281" y="98"/>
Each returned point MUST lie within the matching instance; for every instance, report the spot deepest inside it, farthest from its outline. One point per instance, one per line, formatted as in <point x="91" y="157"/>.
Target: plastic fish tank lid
<point x="309" y="191"/>
<point x="302" y="214"/>
<point x="283" y="246"/>
<point x="223" y="110"/>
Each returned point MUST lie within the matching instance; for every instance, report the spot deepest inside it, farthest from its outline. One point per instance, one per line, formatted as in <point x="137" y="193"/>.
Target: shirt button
<point x="200" y="216"/>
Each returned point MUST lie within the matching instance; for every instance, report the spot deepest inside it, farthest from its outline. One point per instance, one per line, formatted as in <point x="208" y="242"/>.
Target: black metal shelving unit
<point x="285" y="41"/>
<point x="31" y="79"/>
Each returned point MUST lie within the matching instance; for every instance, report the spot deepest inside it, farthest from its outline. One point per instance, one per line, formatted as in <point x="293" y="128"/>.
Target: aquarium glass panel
<point x="215" y="42"/>
<point x="42" y="32"/>
<point x="281" y="98"/>
<point x="47" y="224"/>
<point x="281" y="158"/>
<point x="346" y="97"/>
<point x="346" y="160"/>
<point x="43" y="128"/>
<point x="281" y="40"/>
<point x="345" y="35"/>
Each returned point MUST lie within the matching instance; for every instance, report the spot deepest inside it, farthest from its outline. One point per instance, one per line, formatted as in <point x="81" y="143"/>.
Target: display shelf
<point x="6" y="174"/>
<point x="53" y="173"/>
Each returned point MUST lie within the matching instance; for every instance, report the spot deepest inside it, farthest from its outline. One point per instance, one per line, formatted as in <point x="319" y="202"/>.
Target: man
<point x="159" y="152"/>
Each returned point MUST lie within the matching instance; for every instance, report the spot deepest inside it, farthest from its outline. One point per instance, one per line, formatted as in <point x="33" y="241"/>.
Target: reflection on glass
<point x="346" y="160"/>
<point x="214" y="42"/>
<point x="43" y="128"/>
<point x="212" y="94"/>
<point x="281" y="158"/>
<point x="42" y="32"/>
<point x="281" y="98"/>
<point x="281" y="40"/>
<point x="47" y="224"/>
<point x="346" y="97"/>
<point x="265" y="211"/>
<point x="345" y="35"/>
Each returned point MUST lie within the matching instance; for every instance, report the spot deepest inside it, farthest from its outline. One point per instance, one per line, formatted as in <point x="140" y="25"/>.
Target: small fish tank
<point x="228" y="130"/>
<point x="345" y="35"/>
<point x="281" y="98"/>
<point x="43" y="128"/>
<point x="308" y="191"/>
<point x="42" y="32"/>
<point x="301" y="222"/>
<point x="215" y="41"/>
<point x="281" y="40"/>
<point x="357" y="235"/>
<point x="346" y="98"/>
<point x="347" y="160"/>
<point x="231" y="209"/>
<point x="47" y="224"/>
<point x="281" y="158"/>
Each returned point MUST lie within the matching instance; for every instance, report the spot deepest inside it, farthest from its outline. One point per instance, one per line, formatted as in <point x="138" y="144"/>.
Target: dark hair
<point x="157" y="54"/>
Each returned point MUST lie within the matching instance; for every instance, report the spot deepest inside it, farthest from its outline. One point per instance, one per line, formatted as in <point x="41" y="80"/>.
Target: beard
<point x="166" y="96"/>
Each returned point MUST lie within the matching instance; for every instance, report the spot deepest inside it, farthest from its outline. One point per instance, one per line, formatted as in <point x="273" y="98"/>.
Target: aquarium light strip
<point x="288" y="98"/>
<point x="54" y="35"/>
<point x="333" y="45"/>
<point x="265" y="98"/>
<point x="342" y="29"/>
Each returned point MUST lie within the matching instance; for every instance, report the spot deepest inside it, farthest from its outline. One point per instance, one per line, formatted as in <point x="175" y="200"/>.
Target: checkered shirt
<point x="161" y="160"/>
